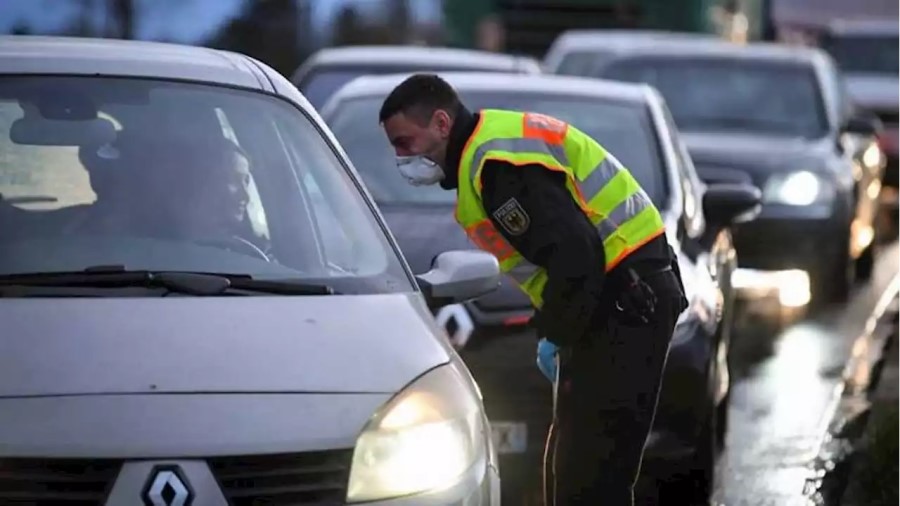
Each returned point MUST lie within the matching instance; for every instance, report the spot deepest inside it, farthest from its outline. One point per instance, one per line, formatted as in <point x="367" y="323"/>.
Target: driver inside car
<point x="188" y="188"/>
<point x="201" y="189"/>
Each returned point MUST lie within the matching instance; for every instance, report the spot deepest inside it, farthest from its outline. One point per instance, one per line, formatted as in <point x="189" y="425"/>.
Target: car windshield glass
<point x="865" y="54"/>
<point x="580" y="63"/>
<point x="718" y="94"/>
<point x="166" y="176"/>
<point x="626" y="130"/>
<point x="321" y="84"/>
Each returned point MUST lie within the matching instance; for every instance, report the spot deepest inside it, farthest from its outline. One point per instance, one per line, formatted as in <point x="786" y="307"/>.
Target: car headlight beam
<point x="424" y="440"/>
<point x="801" y="188"/>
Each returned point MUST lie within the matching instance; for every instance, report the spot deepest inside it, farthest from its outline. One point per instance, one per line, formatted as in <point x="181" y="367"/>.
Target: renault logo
<point x="167" y="486"/>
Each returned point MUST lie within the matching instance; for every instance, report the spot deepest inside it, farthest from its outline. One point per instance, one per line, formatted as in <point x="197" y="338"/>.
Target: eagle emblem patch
<point x="512" y="217"/>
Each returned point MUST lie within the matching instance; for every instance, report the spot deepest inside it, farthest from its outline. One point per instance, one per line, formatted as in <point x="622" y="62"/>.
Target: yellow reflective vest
<point x="608" y="194"/>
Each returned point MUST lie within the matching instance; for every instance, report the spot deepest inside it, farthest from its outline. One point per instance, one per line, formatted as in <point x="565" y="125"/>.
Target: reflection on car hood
<point x="423" y="232"/>
<point x="874" y="91"/>
<point x="755" y="154"/>
<point x="356" y="343"/>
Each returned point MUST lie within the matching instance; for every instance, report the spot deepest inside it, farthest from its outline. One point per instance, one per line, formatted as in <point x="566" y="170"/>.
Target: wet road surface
<point x="783" y="395"/>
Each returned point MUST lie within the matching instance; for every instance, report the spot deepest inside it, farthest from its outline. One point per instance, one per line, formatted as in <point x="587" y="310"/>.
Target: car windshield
<point x="169" y="176"/>
<point x="319" y="85"/>
<point x="625" y="129"/>
<point x="714" y="94"/>
<point x="322" y="82"/>
<point x="865" y="53"/>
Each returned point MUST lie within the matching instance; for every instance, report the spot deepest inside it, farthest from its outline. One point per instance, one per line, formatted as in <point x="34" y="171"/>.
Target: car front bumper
<point x="788" y="237"/>
<point x="139" y="481"/>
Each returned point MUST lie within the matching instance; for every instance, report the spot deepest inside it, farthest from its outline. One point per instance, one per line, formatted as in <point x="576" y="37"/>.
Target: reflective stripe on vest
<point x="623" y="214"/>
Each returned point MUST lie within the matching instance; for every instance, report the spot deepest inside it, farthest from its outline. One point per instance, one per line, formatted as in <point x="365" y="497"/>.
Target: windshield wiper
<point x="189" y="283"/>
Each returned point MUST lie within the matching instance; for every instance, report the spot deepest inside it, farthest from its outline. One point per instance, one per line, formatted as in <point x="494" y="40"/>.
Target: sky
<point x="180" y="20"/>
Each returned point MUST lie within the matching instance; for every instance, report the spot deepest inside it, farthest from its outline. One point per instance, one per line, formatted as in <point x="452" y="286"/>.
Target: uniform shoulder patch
<point x="512" y="217"/>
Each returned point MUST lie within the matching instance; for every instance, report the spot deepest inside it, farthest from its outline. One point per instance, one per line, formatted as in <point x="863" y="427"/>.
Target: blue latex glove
<point x="546" y="358"/>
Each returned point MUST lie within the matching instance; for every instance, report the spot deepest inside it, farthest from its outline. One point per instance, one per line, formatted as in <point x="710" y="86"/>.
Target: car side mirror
<point x="458" y="276"/>
<point x="728" y="204"/>
<point x="863" y="124"/>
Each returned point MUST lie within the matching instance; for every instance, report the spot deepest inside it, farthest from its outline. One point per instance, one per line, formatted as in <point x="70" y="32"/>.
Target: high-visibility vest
<point x="623" y="214"/>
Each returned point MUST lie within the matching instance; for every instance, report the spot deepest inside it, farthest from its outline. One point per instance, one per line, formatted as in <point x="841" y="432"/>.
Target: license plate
<point x="510" y="437"/>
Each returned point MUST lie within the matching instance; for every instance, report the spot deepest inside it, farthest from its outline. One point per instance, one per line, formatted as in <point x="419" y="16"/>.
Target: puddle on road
<point x="784" y="384"/>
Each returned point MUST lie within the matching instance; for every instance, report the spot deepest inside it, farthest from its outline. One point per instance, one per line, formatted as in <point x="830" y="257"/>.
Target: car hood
<point x="423" y="232"/>
<point x="874" y="91"/>
<point x="730" y="157"/>
<point x="216" y="345"/>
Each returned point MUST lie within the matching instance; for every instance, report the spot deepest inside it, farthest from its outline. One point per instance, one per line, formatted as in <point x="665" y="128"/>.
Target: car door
<point x="720" y="260"/>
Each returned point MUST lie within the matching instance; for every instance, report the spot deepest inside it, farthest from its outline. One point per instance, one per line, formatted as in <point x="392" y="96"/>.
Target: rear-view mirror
<point x="458" y="276"/>
<point x="727" y="204"/>
<point x="863" y="124"/>
<point x="52" y="132"/>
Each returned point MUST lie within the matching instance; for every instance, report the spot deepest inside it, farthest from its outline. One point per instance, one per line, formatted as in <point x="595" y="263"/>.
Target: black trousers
<point x="608" y="388"/>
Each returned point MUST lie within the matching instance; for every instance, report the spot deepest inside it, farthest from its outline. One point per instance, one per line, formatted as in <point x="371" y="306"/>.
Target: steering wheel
<point x="237" y="244"/>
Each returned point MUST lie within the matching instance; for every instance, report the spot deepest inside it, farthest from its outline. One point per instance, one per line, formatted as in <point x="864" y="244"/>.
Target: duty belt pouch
<point x="636" y="301"/>
<point x="677" y="271"/>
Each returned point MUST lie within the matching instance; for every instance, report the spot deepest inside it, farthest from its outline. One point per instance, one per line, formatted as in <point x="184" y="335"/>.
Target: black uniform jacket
<point x="550" y="231"/>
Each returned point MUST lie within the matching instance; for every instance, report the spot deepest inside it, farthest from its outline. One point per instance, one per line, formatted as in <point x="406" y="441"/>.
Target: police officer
<point x="580" y="237"/>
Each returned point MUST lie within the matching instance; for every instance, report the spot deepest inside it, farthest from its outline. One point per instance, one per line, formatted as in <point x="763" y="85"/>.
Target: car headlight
<point x="873" y="157"/>
<point x="800" y="188"/>
<point x="423" y="440"/>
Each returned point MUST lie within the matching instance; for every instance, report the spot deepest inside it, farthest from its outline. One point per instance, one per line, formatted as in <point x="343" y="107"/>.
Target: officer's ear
<point x="443" y="122"/>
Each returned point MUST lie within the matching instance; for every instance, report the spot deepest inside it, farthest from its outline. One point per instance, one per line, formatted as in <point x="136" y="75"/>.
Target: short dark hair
<point x="418" y="96"/>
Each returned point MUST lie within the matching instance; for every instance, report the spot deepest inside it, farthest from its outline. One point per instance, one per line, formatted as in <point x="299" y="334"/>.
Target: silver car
<point x="200" y="303"/>
<point x="325" y="71"/>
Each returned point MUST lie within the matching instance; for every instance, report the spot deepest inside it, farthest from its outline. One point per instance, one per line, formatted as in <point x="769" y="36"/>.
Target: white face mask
<point x="419" y="171"/>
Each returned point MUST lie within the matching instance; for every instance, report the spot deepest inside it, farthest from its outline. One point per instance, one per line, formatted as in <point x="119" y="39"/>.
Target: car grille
<point x="63" y="482"/>
<point x="313" y="478"/>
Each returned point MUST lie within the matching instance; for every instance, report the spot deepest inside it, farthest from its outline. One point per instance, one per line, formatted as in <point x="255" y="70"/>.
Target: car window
<point x="579" y="63"/>
<point x="871" y="54"/>
<point x="687" y="176"/>
<point x="174" y="176"/>
<point x="625" y="129"/>
<point x="319" y="85"/>
<point x="715" y="94"/>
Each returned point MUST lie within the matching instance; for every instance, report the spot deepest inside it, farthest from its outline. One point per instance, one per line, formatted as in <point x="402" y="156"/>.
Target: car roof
<point x="584" y="39"/>
<point x="712" y="47"/>
<point x="604" y="40"/>
<point x="29" y="54"/>
<point x="420" y="55"/>
<point x="381" y="85"/>
<point x="863" y="27"/>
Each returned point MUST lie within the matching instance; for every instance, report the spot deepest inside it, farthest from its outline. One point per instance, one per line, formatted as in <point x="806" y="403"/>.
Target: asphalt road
<point x="783" y="395"/>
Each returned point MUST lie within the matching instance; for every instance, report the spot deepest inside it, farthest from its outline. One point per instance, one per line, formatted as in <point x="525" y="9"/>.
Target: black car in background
<point x="774" y="116"/>
<point x="867" y="53"/>
<point x="326" y="70"/>
<point x="633" y="122"/>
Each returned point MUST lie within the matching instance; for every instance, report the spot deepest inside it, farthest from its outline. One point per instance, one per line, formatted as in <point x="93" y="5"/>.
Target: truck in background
<point x="530" y="26"/>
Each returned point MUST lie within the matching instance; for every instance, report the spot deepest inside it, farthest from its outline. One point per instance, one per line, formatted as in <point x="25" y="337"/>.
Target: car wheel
<point x="865" y="264"/>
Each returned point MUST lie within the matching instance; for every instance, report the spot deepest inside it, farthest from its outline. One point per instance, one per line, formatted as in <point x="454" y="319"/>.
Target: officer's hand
<point x="546" y="358"/>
